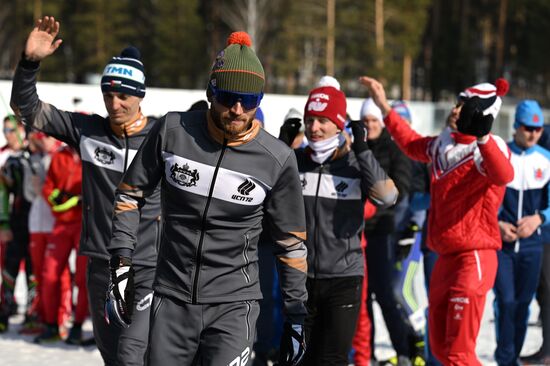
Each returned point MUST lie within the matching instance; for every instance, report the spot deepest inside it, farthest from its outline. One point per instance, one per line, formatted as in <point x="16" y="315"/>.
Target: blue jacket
<point x="527" y="194"/>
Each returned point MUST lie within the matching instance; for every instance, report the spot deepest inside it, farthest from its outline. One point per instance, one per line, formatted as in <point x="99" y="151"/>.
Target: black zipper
<point x="127" y="150"/>
<point x="198" y="254"/>
<point x="316" y="240"/>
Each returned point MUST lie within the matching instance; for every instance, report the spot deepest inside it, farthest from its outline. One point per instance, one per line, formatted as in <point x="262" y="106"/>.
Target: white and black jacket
<point x="334" y="195"/>
<point x="214" y="196"/>
<point x="105" y="156"/>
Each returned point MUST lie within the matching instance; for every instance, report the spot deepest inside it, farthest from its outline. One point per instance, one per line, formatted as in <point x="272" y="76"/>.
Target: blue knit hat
<point x="402" y="109"/>
<point x="529" y="113"/>
<point x="125" y="74"/>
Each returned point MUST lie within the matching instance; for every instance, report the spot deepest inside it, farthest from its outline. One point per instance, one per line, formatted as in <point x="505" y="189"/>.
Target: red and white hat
<point x="488" y="94"/>
<point x="328" y="102"/>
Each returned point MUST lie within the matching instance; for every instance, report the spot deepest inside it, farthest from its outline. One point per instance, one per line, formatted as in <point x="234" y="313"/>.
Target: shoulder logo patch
<point x="183" y="175"/>
<point x="104" y="156"/>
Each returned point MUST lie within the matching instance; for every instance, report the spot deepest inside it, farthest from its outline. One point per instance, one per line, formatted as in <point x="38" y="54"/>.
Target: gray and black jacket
<point x="105" y="156"/>
<point x="214" y="196"/>
<point x="334" y="195"/>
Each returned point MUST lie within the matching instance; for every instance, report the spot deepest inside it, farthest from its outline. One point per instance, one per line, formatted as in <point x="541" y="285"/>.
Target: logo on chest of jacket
<point x="340" y="188"/>
<point x="183" y="175"/>
<point x="245" y="188"/>
<point x="539" y="174"/>
<point x="104" y="156"/>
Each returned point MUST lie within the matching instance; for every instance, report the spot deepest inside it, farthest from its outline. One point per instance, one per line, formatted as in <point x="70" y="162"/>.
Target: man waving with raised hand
<point x="470" y="170"/>
<point x="106" y="146"/>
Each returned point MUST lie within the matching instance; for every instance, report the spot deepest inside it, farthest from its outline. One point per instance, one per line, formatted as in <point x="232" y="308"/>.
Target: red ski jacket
<point x="63" y="185"/>
<point x="468" y="181"/>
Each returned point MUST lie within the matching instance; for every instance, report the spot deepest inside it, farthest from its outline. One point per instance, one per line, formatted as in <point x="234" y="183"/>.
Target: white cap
<point x="369" y="108"/>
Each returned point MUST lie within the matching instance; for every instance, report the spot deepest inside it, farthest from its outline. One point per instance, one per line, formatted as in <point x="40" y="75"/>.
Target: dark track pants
<point x="380" y="263"/>
<point x="333" y="308"/>
<point x="16" y="251"/>
<point x="120" y="346"/>
<point x="515" y="286"/>
<point x="184" y="334"/>
<point x="544" y="299"/>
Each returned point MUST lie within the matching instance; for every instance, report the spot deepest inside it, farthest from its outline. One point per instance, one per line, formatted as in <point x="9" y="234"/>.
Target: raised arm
<point x="496" y="160"/>
<point x="25" y="102"/>
<point x="375" y="182"/>
<point x="409" y="141"/>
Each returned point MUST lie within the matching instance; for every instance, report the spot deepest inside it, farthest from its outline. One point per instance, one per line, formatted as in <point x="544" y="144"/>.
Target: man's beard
<point x="228" y="128"/>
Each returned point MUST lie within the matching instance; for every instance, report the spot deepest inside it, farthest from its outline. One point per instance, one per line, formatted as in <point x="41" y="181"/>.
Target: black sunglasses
<point x="531" y="128"/>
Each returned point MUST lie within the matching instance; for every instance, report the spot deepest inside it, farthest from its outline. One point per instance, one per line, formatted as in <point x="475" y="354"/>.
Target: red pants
<point x="37" y="247"/>
<point x="64" y="238"/>
<point x="458" y="287"/>
<point x="361" y="340"/>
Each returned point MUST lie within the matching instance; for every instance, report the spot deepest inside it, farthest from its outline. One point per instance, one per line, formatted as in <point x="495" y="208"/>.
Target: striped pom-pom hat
<point x="237" y="68"/>
<point x="488" y="94"/>
<point x="125" y="74"/>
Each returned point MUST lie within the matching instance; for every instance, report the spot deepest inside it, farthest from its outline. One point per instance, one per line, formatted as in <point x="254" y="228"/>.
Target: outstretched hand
<point x="41" y="41"/>
<point x="377" y="92"/>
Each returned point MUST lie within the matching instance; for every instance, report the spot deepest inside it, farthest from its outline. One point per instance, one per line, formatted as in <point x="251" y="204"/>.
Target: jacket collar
<point x="219" y="135"/>
<point x="518" y="149"/>
<point x="130" y="128"/>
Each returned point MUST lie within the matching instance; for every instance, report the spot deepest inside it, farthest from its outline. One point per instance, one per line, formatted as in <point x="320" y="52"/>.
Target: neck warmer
<point x="131" y="127"/>
<point x="323" y="149"/>
<point x="232" y="140"/>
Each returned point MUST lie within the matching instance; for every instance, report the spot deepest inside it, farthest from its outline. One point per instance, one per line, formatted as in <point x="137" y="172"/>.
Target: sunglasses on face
<point x="229" y="98"/>
<point x="531" y="128"/>
<point x="8" y="130"/>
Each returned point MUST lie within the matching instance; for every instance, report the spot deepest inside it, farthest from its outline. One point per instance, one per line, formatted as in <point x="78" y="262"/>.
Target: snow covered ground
<point x="16" y="349"/>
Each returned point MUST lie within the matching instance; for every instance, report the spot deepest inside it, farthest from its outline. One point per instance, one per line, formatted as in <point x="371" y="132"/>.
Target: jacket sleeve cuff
<point x="27" y="64"/>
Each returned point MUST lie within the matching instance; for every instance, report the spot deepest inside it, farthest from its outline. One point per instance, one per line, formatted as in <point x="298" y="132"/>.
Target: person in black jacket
<point x="381" y="228"/>
<point x="337" y="177"/>
<point x="107" y="146"/>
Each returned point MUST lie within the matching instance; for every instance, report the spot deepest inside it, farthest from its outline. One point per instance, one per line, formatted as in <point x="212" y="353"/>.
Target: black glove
<point x="472" y="121"/>
<point x="289" y="130"/>
<point x="293" y="345"/>
<point x="359" y="131"/>
<point x="119" y="304"/>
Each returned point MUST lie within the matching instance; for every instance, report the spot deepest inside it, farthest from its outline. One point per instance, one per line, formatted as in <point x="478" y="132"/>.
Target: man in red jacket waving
<point x="470" y="170"/>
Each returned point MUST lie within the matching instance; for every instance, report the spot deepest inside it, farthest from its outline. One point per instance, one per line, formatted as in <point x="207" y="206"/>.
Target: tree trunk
<point x="499" y="62"/>
<point x="406" y="84"/>
<point x="331" y="10"/>
<point x="379" y="34"/>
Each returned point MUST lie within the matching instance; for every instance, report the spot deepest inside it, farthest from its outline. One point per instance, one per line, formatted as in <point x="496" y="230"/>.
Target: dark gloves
<point x="359" y="131"/>
<point x="293" y="345"/>
<point x="289" y="130"/>
<point x="119" y="304"/>
<point x="472" y="121"/>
